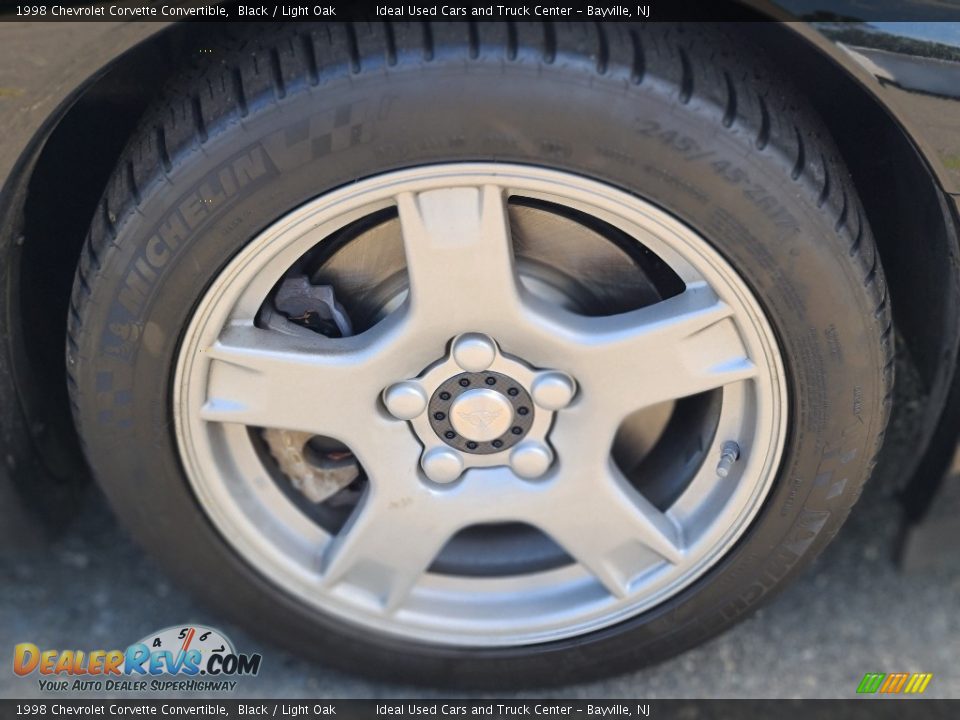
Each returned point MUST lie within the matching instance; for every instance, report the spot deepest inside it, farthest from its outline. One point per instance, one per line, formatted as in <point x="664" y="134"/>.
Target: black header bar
<point x="479" y="10"/>
<point x="452" y="709"/>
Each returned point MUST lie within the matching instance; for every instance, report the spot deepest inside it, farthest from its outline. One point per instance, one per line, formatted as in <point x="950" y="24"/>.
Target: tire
<point x="690" y="120"/>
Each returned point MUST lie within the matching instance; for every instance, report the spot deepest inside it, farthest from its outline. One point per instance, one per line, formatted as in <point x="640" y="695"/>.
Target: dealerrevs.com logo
<point x="183" y="658"/>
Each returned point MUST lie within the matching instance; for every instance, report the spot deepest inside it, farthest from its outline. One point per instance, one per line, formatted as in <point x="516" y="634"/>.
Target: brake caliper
<point x="317" y="473"/>
<point x="314" y="307"/>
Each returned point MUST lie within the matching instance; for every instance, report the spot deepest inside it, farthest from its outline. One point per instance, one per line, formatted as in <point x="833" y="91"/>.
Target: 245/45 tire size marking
<point x="691" y="151"/>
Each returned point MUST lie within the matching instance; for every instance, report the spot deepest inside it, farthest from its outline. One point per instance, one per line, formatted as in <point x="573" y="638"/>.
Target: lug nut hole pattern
<point x="483" y="410"/>
<point x="444" y="402"/>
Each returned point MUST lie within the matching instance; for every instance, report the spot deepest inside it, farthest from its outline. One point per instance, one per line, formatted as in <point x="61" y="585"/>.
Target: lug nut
<point x="442" y="465"/>
<point x="474" y="352"/>
<point x="531" y="459"/>
<point x="553" y="390"/>
<point x="729" y="454"/>
<point x="405" y="400"/>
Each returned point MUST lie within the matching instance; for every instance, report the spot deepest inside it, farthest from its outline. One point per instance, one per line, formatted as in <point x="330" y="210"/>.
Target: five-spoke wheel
<point x="477" y="402"/>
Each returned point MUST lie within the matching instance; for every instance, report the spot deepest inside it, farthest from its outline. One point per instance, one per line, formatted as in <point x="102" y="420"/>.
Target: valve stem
<point x="729" y="454"/>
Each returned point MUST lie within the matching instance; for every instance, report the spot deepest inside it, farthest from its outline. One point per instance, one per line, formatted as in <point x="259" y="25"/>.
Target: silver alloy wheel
<point x="627" y="555"/>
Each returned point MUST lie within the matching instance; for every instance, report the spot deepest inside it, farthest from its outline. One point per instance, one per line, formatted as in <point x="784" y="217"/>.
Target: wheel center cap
<point x="479" y="408"/>
<point x="481" y="415"/>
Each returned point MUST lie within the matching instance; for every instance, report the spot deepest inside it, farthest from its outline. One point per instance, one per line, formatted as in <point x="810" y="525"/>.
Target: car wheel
<point x="481" y="354"/>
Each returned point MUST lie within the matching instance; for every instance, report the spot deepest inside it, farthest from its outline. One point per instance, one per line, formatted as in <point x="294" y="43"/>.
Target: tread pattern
<point x="700" y="63"/>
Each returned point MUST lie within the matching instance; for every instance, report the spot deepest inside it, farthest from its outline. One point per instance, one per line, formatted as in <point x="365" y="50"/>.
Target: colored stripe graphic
<point x="894" y="683"/>
<point x="907" y="683"/>
<point x="918" y="682"/>
<point x="870" y="683"/>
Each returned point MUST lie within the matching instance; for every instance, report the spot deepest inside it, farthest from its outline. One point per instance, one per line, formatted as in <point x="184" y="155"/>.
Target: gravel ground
<point x="851" y="613"/>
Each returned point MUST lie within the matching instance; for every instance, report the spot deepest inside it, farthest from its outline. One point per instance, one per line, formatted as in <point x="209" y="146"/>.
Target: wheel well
<point x="913" y="227"/>
<point x="61" y="178"/>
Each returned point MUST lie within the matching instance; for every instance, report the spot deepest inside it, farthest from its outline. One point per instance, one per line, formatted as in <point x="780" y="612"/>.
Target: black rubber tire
<point x="687" y="117"/>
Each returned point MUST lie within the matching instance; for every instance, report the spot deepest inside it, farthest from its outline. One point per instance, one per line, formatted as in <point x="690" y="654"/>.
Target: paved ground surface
<point x="852" y="612"/>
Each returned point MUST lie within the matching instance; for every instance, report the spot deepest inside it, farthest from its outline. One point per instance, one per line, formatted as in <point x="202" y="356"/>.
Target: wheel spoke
<point x="265" y="378"/>
<point x="679" y="347"/>
<point x="610" y="528"/>
<point x="388" y="544"/>
<point x="459" y="256"/>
